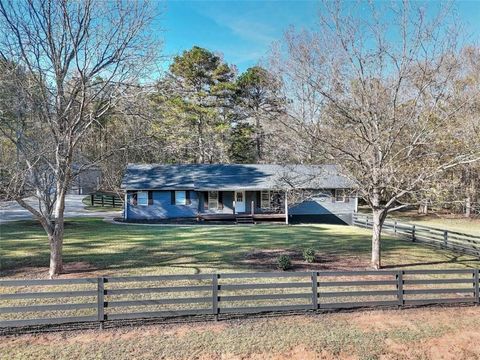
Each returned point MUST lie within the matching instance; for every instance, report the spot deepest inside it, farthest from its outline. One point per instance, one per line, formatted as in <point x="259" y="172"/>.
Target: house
<point x="245" y="193"/>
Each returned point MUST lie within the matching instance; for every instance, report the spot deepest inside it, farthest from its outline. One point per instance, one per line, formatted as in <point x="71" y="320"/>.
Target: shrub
<point x="284" y="262"/>
<point x="309" y="255"/>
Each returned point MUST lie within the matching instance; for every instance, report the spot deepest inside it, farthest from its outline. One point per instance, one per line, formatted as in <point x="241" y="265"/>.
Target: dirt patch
<point x="267" y="260"/>
<point x="298" y="353"/>
<point x="461" y="345"/>
<point x="71" y="270"/>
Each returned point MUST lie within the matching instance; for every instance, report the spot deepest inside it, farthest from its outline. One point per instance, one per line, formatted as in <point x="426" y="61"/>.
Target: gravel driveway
<point x="11" y="211"/>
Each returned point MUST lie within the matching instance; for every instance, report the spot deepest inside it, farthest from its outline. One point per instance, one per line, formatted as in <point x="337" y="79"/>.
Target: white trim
<point x="343" y="197"/>
<point x="213" y="201"/>
<point x="145" y="194"/>
<point x="184" y="197"/>
<point x="125" y="206"/>
<point x="262" y="200"/>
<point x="243" y="203"/>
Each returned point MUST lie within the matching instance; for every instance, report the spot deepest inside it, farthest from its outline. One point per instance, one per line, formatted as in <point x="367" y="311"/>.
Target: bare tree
<point x="377" y="93"/>
<point x="69" y="63"/>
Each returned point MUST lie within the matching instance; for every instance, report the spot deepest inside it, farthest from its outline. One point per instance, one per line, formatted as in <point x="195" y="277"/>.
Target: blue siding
<point x="162" y="207"/>
<point x="324" y="206"/>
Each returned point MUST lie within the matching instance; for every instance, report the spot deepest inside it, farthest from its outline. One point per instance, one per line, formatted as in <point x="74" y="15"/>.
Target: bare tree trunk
<point x="378" y="220"/>
<point x="56" y="238"/>
<point x="201" y="146"/>
<point x="258" y="139"/>
<point x="468" y="206"/>
<point x="56" y="246"/>
<point x="423" y="208"/>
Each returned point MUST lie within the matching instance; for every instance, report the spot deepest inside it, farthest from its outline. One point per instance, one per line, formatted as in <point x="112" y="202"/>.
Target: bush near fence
<point x="60" y="301"/>
<point x="445" y="239"/>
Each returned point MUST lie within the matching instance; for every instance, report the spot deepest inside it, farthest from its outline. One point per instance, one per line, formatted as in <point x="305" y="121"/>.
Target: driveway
<point x="11" y="211"/>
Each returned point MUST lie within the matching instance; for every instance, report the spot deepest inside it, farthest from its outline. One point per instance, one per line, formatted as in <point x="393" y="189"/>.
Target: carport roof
<point x="232" y="177"/>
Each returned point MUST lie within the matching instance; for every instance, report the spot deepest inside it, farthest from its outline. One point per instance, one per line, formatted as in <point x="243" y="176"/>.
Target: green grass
<point x="439" y="221"/>
<point x="467" y="226"/>
<point x="409" y="334"/>
<point x="97" y="208"/>
<point x="137" y="249"/>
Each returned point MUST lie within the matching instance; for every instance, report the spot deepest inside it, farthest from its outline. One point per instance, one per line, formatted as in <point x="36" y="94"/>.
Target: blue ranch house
<point x="238" y="192"/>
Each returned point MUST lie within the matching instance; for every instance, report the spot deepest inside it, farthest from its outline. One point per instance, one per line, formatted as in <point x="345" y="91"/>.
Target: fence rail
<point x="105" y="200"/>
<point x="446" y="239"/>
<point x="118" y="298"/>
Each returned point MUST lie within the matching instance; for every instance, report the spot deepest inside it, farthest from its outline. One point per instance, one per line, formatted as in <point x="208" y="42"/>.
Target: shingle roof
<point x="232" y="177"/>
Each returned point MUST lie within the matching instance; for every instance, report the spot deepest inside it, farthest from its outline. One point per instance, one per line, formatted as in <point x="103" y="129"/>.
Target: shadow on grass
<point x="132" y="249"/>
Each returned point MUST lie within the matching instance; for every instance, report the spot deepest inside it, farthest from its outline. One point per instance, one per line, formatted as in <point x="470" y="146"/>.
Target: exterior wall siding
<point x="161" y="207"/>
<point x="323" y="209"/>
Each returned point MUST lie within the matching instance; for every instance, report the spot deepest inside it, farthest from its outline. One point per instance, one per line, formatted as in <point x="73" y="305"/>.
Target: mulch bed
<point x="267" y="260"/>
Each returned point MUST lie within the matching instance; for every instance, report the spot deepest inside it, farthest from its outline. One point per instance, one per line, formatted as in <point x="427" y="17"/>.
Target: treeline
<point x="390" y="95"/>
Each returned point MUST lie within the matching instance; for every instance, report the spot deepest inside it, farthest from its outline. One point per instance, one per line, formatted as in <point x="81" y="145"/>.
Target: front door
<point x="239" y="201"/>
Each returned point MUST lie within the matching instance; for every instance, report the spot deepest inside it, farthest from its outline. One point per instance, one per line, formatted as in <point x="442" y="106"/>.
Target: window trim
<point x="213" y="200"/>
<point x="341" y="198"/>
<point x="262" y="192"/>
<point x="139" y="195"/>
<point x="177" y="203"/>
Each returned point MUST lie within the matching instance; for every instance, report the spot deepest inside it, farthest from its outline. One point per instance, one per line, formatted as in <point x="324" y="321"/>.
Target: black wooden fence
<point x="446" y="239"/>
<point x="59" y="301"/>
<point x="105" y="200"/>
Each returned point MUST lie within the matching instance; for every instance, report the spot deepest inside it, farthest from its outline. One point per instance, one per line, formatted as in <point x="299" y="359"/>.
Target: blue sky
<point x="244" y="30"/>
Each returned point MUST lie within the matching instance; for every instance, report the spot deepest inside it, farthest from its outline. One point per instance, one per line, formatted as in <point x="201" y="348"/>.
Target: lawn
<point x="429" y="333"/>
<point x="439" y="221"/>
<point x="94" y="247"/>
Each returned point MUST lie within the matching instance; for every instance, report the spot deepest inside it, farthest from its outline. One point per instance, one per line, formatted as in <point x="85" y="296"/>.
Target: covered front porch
<point x="243" y="206"/>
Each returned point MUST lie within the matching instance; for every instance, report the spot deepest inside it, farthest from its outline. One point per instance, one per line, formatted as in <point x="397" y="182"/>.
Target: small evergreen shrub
<point x="309" y="255"/>
<point x="284" y="262"/>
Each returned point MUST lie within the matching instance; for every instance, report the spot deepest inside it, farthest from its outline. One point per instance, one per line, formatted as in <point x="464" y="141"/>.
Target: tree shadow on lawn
<point x="139" y="249"/>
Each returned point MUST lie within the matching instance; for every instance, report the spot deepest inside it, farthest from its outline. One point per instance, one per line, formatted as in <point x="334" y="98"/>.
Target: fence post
<point x="395" y="226"/>
<point x="215" y="295"/>
<point x="476" y="279"/>
<point x="445" y="238"/>
<point x="113" y="201"/>
<point x="366" y="221"/>
<point x="314" y="290"/>
<point x="100" y="301"/>
<point x="92" y="199"/>
<point x="413" y="232"/>
<point x="103" y="200"/>
<point x="399" y="277"/>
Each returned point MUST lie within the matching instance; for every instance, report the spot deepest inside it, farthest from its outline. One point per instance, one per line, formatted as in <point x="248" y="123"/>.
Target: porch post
<point x="125" y="206"/>
<point x="286" y="207"/>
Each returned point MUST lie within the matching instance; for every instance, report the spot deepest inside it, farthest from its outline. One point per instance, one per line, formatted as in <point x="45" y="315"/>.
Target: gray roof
<point x="232" y="177"/>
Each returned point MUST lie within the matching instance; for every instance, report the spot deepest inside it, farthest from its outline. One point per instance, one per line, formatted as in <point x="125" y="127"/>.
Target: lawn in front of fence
<point x="119" y="250"/>
<point x="93" y="247"/>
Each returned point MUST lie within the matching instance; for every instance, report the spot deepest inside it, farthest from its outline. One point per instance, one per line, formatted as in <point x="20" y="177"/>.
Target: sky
<point x="243" y="31"/>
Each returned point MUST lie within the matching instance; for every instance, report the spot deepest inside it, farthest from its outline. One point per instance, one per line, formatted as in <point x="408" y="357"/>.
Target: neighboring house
<point x="229" y="192"/>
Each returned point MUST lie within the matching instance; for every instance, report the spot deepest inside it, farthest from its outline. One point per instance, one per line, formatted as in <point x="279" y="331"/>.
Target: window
<point x="213" y="200"/>
<point x="180" y="198"/>
<point x="239" y="196"/>
<point x="341" y="195"/>
<point x="142" y="198"/>
<point x="265" y="199"/>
